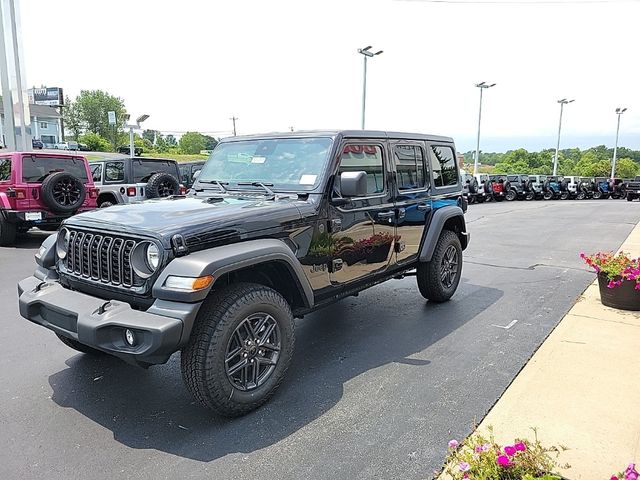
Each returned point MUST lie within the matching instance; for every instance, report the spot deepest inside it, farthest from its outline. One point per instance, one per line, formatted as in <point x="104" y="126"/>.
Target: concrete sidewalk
<point x="581" y="388"/>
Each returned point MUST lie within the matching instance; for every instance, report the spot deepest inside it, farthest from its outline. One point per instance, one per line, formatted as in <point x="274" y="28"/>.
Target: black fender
<point x="450" y="216"/>
<point x="219" y="261"/>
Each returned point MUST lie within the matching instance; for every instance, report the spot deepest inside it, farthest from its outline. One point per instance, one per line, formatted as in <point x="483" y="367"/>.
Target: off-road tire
<point x="471" y="199"/>
<point x="428" y="274"/>
<point x="564" y="195"/>
<point x="473" y="186"/>
<point x="203" y="358"/>
<point x="52" y="196"/>
<point x="106" y="204"/>
<point x="581" y="195"/>
<point x="8" y="232"/>
<point x="629" y="198"/>
<point x="511" y="195"/>
<point x="162" y="185"/>
<point x="529" y="196"/>
<point x="80" y="347"/>
<point x="597" y="195"/>
<point x="548" y="195"/>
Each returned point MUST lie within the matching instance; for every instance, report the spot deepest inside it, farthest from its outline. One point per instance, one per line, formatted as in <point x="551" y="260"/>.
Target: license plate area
<point x="33" y="216"/>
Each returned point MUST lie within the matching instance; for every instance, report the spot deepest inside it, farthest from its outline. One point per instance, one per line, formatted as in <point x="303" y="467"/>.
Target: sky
<point x="192" y="65"/>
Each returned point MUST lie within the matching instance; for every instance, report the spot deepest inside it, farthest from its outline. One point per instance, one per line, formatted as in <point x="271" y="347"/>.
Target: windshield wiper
<point x="260" y="184"/>
<point x="218" y="183"/>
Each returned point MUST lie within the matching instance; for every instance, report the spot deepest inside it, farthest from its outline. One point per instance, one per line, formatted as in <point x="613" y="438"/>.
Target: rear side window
<point x="143" y="169"/>
<point x="5" y="169"/>
<point x="410" y="171"/>
<point x="364" y="158"/>
<point x="96" y="172"/>
<point x="443" y="165"/>
<point x="114" y="172"/>
<point x="36" y="168"/>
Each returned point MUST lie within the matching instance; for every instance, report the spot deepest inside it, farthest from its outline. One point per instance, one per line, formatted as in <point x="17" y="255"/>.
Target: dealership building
<point x="46" y="120"/>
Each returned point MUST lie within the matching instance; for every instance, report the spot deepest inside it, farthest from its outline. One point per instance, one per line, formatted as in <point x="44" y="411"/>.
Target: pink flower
<point x="509" y="450"/>
<point x="520" y="446"/>
<point x="464" y="466"/>
<point x="503" y="461"/>
<point x="453" y="444"/>
<point x="630" y="473"/>
<point x="482" y="448"/>
<point x="613" y="477"/>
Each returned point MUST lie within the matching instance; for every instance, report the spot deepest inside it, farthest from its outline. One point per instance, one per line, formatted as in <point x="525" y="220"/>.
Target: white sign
<point x="112" y="118"/>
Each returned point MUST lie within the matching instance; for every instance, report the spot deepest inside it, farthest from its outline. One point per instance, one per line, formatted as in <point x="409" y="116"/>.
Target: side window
<point x="364" y="158"/>
<point x="410" y="171"/>
<point x="114" y="171"/>
<point x="96" y="172"/>
<point x="5" y="169"/>
<point x="443" y="164"/>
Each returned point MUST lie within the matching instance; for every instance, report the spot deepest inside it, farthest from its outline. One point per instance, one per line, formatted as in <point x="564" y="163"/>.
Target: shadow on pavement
<point x="32" y="239"/>
<point x="151" y="409"/>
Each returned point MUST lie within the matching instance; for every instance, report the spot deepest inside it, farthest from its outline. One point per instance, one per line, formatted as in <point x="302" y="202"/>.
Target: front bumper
<point x="101" y="324"/>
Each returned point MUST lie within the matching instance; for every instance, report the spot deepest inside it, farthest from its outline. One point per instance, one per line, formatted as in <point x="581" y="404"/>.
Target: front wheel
<point x="439" y="278"/>
<point x="564" y="195"/>
<point x="529" y="196"/>
<point x="548" y="195"/>
<point x="597" y="195"/>
<point x="240" y="348"/>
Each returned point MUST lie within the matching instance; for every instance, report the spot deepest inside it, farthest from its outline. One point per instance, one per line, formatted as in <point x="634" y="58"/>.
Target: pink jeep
<point x="41" y="190"/>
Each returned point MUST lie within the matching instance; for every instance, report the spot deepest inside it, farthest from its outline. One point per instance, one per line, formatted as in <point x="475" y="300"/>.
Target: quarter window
<point x="443" y="165"/>
<point x="96" y="172"/>
<point x="114" y="171"/>
<point x="5" y="169"/>
<point x="364" y="158"/>
<point x="410" y="171"/>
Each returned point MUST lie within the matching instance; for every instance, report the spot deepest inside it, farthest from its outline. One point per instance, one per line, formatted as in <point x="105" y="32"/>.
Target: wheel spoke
<point x="256" y="370"/>
<point x="241" y="364"/>
<point x="265" y="360"/>
<point x="267" y="333"/>
<point x="270" y="346"/>
<point x="232" y="354"/>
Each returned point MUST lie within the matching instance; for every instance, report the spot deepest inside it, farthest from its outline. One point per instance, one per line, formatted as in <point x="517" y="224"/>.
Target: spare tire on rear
<point x="473" y="185"/>
<point x="63" y="192"/>
<point x="162" y="185"/>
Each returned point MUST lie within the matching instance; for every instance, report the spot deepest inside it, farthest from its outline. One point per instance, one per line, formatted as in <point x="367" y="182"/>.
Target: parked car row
<point x="42" y="189"/>
<point x="483" y="187"/>
<point x="38" y="144"/>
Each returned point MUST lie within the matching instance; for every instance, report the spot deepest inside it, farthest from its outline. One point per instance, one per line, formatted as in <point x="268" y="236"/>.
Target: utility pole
<point x="562" y="103"/>
<point x="233" y="119"/>
<point x="619" y="112"/>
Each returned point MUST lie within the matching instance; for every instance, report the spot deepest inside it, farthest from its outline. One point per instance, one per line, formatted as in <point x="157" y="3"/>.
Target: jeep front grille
<point x="102" y="258"/>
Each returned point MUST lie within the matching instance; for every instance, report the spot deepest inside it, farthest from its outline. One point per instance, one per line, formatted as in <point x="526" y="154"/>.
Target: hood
<point x="195" y="218"/>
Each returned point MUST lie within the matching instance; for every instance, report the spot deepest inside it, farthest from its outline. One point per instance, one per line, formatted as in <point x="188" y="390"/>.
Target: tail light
<point x="20" y="193"/>
<point x="183" y="190"/>
<point x="93" y="192"/>
<point x="131" y="191"/>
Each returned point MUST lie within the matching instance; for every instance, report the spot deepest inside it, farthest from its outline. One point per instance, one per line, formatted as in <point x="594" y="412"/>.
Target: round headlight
<point x="153" y="256"/>
<point x="62" y="243"/>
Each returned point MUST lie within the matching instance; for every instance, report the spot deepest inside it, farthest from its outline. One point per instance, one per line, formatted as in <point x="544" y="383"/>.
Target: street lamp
<point x="132" y="126"/>
<point x="481" y="86"/>
<point x="366" y="53"/>
<point x="619" y="112"/>
<point x="562" y="103"/>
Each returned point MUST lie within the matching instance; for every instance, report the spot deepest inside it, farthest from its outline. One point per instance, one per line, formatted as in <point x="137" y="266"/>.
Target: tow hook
<point x="102" y="308"/>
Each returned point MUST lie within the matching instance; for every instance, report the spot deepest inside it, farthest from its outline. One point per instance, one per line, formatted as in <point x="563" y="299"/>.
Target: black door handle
<point x="386" y="215"/>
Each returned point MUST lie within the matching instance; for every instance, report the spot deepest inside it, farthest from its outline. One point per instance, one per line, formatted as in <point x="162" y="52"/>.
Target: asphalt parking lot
<point x="379" y="383"/>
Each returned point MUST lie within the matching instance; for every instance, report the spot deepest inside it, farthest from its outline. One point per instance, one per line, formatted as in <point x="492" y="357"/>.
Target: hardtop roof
<point x="344" y="134"/>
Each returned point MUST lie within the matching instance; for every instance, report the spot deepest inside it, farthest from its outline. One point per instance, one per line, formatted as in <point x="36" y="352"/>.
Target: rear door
<point x="412" y="201"/>
<point x="6" y="182"/>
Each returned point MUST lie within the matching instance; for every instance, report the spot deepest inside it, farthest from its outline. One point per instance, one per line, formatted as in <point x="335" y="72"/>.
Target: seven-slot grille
<point x="103" y="258"/>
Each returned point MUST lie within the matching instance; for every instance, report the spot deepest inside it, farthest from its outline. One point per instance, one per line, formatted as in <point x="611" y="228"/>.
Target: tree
<point x="626" y="168"/>
<point x="93" y="106"/>
<point x="210" y="142"/>
<point x="151" y="135"/>
<point x="95" y="142"/>
<point x="71" y="117"/>
<point x="192" y="142"/>
<point x="171" y="140"/>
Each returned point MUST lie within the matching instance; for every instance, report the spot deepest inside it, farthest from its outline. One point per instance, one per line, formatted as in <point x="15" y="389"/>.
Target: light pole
<point x="132" y="126"/>
<point x="619" y="112"/>
<point x="366" y="53"/>
<point x="481" y="86"/>
<point x="562" y="103"/>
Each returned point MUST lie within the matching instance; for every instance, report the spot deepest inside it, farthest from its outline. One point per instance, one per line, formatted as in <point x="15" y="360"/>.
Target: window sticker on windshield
<point x="308" y="179"/>
<point x="258" y="159"/>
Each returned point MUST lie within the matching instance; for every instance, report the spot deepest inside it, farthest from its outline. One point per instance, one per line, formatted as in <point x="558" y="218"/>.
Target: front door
<point x="412" y="199"/>
<point x="362" y="229"/>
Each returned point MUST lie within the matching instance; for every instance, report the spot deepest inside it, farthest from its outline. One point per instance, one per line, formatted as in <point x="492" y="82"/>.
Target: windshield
<point x="285" y="163"/>
<point x="143" y="169"/>
<point x="36" y="168"/>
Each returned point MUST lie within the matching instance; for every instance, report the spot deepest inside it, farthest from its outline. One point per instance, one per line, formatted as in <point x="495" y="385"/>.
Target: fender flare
<point x="4" y="201"/>
<point x="118" y="197"/>
<point x="218" y="261"/>
<point x="435" y="225"/>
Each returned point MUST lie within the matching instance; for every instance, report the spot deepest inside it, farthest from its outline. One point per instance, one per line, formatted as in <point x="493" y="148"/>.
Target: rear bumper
<point x="48" y="218"/>
<point x="101" y="325"/>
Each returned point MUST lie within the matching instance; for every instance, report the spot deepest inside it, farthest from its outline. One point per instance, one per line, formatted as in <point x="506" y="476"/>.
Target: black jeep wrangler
<point x="274" y="227"/>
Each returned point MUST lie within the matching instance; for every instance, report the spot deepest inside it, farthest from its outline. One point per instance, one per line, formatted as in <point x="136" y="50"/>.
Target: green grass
<point x="175" y="156"/>
<point x="93" y="156"/>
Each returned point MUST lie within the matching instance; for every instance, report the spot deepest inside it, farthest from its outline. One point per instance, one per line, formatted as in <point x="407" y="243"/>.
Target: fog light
<point x="130" y="337"/>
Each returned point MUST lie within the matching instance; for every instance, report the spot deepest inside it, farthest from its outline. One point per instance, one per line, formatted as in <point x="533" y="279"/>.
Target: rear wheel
<point x="564" y="195"/>
<point x="580" y="195"/>
<point x="439" y="278"/>
<point x="548" y="195"/>
<point x="80" y="347"/>
<point x="511" y="195"/>
<point x="471" y="199"/>
<point x="597" y="195"/>
<point x="240" y="348"/>
<point x="105" y="204"/>
<point x="8" y="233"/>
<point x="529" y="196"/>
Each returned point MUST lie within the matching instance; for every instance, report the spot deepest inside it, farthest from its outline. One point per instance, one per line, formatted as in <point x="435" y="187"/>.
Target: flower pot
<point x="623" y="297"/>
<point x="378" y="254"/>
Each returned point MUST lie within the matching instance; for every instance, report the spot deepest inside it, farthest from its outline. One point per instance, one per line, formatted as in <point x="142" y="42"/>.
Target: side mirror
<point x="353" y="184"/>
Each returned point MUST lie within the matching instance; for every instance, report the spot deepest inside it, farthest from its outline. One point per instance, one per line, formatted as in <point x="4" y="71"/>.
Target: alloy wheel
<point x="449" y="266"/>
<point x="66" y="192"/>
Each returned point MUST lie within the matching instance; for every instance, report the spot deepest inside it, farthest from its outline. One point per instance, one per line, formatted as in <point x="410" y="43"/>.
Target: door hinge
<point x="335" y="225"/>
<point x="400" y="246"/>
<point x="336" y="265"/>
